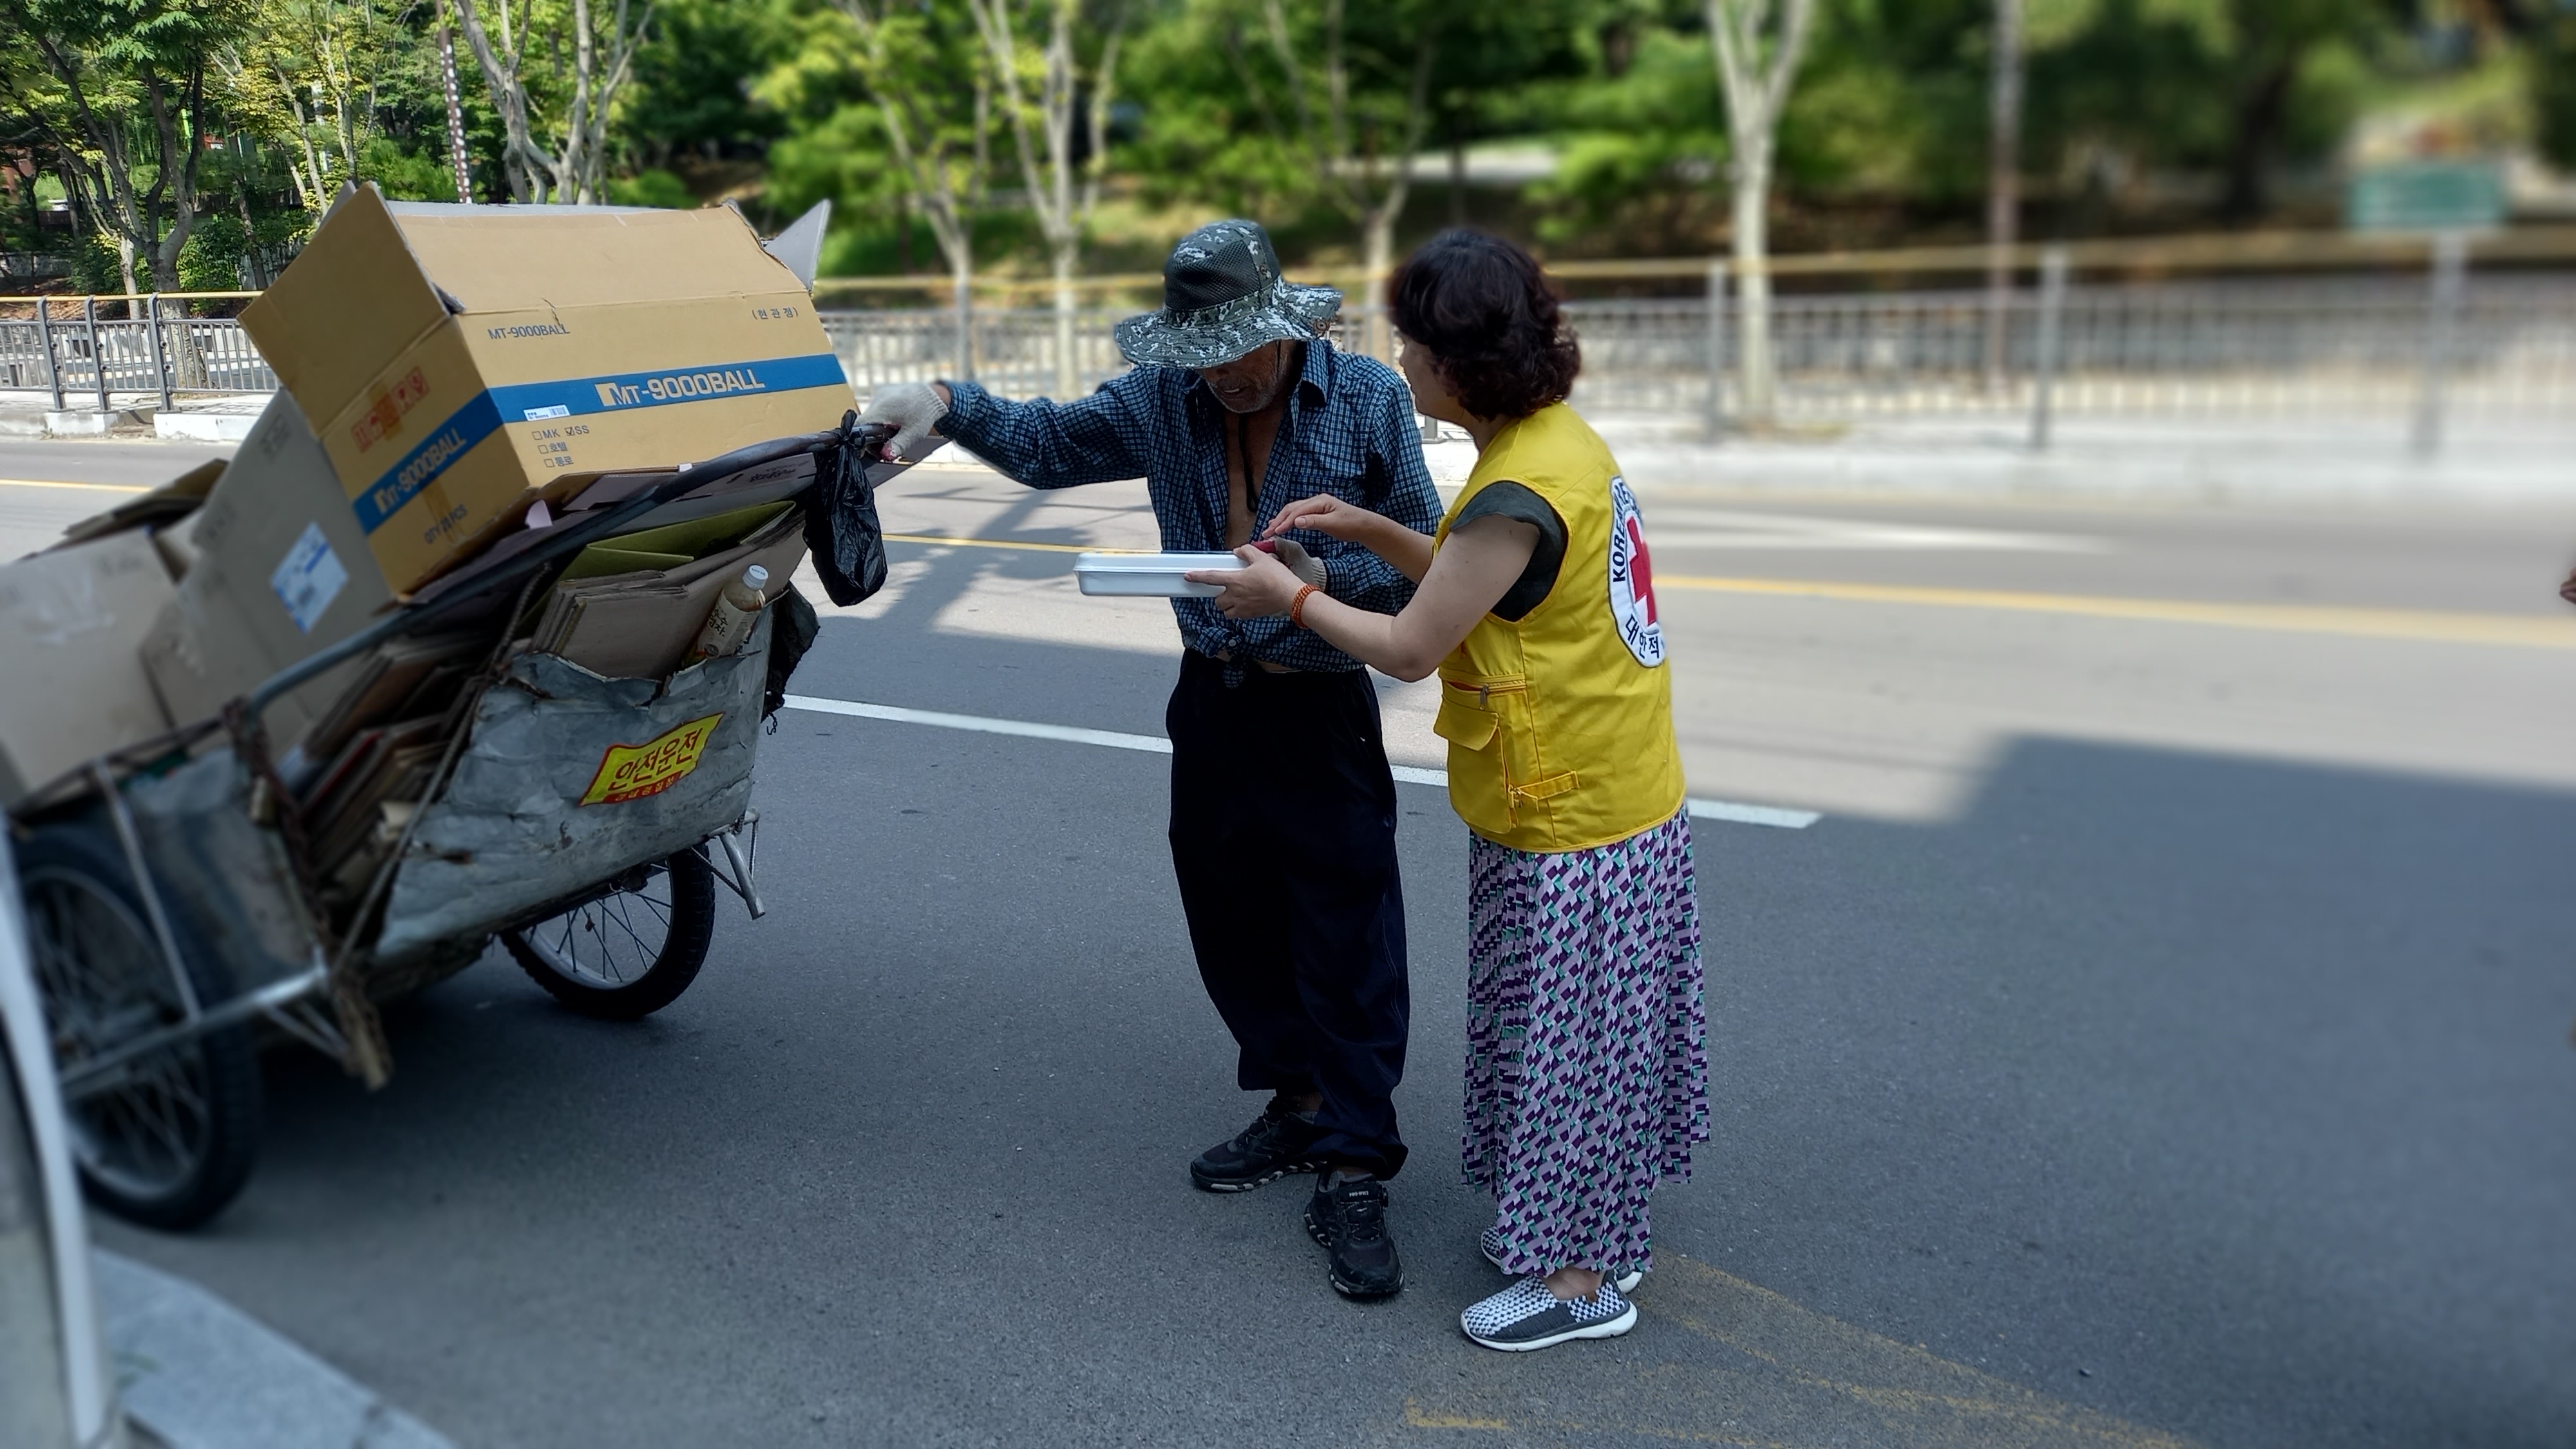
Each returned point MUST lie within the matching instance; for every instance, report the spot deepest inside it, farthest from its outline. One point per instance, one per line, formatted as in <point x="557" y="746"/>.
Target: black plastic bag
<point x="841" y="528"/>
<point x="792" y="631"/>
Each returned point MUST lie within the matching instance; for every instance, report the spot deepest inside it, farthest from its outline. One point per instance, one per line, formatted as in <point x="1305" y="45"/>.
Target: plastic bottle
<point x="729" y="622"/>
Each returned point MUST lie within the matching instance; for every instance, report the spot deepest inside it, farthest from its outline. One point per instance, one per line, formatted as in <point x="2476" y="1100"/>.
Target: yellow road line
<point x="86" y="487"/>
<point x="2422" y="625"/>
<point x="2525" y="631"/>
<point x="947" y="542"/>
<point x="2436" y="626"/>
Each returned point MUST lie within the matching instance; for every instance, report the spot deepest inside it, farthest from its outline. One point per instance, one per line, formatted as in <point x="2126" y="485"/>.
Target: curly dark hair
<point x="1490" y="319"/>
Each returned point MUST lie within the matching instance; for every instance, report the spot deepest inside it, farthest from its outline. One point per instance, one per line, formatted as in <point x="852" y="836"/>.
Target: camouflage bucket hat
<point x="1222" y="297"/>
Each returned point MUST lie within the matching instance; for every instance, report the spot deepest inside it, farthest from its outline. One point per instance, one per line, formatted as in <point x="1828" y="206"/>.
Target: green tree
<point x="898" y="99"/>
<point x="1044" y="91"/>
<point x="1262" y="107"/>
<point x="2553" y="88"/>
<point x="557" y="73"/>
<point x="1758" y="51"/>
<point x="117" y="89"/>
<point x="310" y="77"/>
<point x="692" y="93"/>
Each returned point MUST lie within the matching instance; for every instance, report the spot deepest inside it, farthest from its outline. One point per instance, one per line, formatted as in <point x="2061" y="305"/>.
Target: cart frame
<point x="326" y="1001"/>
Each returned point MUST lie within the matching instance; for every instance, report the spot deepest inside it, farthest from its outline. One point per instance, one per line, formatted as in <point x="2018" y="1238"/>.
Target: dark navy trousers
<point x="1283" y="836"/>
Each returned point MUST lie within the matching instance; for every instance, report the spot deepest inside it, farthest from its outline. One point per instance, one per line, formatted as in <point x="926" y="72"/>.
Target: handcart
<point x="585" y="823"/>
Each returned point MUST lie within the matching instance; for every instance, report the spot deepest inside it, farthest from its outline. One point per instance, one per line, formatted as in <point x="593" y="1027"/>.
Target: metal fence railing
<point x="2284" y="348"/>
<point x="2501" y="346"/>
<point x="79" y="361"/>
<point x="33" y="266"/>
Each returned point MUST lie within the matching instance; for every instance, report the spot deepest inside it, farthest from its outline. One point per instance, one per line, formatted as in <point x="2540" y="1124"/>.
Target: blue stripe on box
<point x="495" y="407"/>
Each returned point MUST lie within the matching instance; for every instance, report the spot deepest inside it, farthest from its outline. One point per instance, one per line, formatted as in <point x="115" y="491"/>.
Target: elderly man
<point x="1283" y="809"/>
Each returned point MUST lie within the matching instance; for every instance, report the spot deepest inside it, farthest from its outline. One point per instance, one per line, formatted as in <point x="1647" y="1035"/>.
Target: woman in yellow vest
<point x="1587" y="1070"/>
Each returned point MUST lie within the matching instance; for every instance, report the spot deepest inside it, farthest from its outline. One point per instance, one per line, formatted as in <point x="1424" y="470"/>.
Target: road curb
<point x="197" y="1373"/>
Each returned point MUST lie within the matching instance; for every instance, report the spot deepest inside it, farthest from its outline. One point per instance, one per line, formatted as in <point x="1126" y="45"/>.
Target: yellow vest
<point x="1560" y="724"/>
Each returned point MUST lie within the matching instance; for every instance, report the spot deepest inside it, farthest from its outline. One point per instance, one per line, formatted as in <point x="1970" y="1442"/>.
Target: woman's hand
<point x="1329" y="516"/>
<point x="1262" y="589"/>
<point x="1409" y="552"/>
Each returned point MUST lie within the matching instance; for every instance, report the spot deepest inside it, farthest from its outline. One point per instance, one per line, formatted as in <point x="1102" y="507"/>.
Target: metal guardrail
<point x="2440" y="348"/>
<point x="2238" y="348"/>
<point x="79" y="361"/>
<point x="2276" y="348"/>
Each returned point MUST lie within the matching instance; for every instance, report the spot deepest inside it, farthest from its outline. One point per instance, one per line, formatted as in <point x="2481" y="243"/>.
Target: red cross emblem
<point x="1641" y="570"/>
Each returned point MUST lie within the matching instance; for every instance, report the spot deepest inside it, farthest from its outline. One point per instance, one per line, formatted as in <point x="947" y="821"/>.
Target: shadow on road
<point x="2156" y="1095"/>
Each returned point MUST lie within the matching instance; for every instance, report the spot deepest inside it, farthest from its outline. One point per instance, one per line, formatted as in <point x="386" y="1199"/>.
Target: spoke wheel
<point x="630" y="952"/>
<point x="168" y="1138"/>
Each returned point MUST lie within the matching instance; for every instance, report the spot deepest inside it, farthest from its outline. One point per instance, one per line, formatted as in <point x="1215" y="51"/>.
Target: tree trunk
<point x="961" y="280"/>
<point x="1760" y="408"/>
<point x="1068" y="373"/>
<point x="2003" y="185"/>
<point x="2259" y="111"/>
<point x="1457" y="183"/>
<point x="1378" y="241"/>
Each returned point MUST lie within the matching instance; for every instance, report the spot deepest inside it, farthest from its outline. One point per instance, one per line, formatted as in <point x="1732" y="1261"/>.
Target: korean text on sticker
<point x="632" y="772"/>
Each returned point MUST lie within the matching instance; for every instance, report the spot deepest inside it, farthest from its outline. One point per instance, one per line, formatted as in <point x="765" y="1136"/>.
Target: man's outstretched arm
<point x="1042" y="444"/>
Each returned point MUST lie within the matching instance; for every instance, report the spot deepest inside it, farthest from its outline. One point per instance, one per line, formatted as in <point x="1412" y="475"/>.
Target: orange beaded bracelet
<point x="1297" y="606"/>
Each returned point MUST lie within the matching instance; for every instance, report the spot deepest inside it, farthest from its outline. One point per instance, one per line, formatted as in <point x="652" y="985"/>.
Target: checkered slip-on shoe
<point x="1527" y="1316"/>
<point x="1491" y="1241"/>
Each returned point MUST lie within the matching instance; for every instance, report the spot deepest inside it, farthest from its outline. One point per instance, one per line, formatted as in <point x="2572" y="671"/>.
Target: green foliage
<point x="2552" y="64"/>
<point x="1640" y="148"/>
<point x="406" y="172"/>
<point x="211" y="261"/>
<point x="94" y="267"/>
<point x="652" y="188"/>
<point x="779" y="102"/>
<point x="693" y="81"/>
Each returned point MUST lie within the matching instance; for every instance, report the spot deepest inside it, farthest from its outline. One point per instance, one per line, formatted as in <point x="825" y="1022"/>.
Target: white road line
<point x="1727" y="810"/>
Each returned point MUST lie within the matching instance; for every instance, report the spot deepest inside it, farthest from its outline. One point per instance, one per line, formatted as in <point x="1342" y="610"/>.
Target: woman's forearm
<point x="1374" y="639"/>
<point x="1407" y="551"/>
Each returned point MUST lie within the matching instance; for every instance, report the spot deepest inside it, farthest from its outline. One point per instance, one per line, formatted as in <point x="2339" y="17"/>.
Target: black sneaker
<point x="1349" y="1219"/>
<point x="1277" y="1143"/>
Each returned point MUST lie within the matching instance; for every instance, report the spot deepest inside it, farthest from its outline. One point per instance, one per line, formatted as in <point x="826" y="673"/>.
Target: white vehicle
<point x="55" y="1389"/>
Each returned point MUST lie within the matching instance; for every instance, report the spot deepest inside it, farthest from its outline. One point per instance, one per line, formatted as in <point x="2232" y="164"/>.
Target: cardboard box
<point x="279" y="568"/>
<point x="71" y="621"/>
<point x="458" y="360"/>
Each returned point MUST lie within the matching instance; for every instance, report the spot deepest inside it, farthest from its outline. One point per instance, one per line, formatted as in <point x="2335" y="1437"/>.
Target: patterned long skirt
<point x="1587" y="1053"/>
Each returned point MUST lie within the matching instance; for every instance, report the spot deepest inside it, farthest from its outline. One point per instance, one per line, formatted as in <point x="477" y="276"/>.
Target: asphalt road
<point x="2162" y="1037"/>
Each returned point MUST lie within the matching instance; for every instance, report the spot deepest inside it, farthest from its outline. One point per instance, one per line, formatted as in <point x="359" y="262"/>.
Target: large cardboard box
<point x="71" y="685"/>
<point x="278" y="568"/>
<point x="458" y="360"/>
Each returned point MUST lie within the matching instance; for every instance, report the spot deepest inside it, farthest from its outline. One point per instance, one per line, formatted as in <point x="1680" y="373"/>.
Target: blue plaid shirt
<point x="1349" y="432"/>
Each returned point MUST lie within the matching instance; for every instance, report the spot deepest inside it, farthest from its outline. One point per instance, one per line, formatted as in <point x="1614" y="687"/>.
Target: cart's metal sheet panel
<point x="512" y="832"/>
<point x="225" y="879"/>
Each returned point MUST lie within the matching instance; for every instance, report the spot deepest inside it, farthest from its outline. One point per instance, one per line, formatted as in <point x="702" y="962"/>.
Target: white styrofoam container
<point x="1155" y="575"/>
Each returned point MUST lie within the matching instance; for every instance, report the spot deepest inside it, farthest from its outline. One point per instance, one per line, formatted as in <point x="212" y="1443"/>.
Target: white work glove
<point x="1308" y="568"/>
<point x="914" y="409"/>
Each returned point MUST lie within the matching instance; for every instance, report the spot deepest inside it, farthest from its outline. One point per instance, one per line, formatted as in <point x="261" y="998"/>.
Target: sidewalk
<point x="194" y="1372"/>
<point x="202" y="418"/>
<point x="2107" y="459"/>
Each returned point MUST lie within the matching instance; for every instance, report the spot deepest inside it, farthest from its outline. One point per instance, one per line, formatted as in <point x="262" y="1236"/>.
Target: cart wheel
<point x="629" y="953"/>
<point x="167" y="1139"/>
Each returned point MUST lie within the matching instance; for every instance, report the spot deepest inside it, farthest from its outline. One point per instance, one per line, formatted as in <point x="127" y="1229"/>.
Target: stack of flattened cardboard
<point x="629" y="607"/>
<point x="71" y="686"/>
